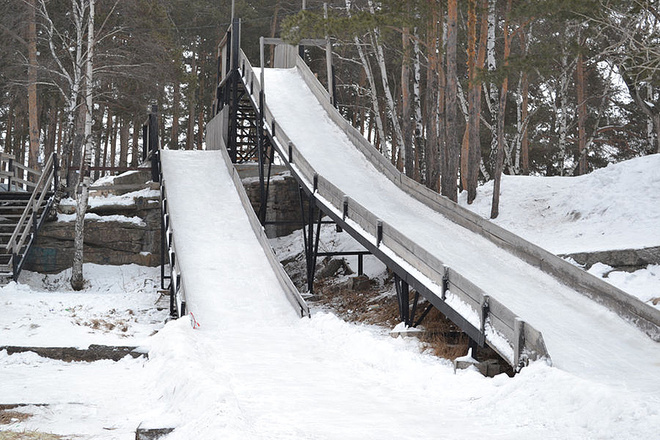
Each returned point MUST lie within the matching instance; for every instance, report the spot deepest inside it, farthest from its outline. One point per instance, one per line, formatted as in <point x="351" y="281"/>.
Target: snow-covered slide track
<point x="435" y="241"/>
<point x="209" y="229"/>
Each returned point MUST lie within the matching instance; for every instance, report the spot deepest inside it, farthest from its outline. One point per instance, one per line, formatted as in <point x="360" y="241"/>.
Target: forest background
<point x="453" y="92"/>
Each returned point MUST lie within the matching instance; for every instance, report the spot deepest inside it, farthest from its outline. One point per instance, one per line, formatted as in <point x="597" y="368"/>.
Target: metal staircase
<point x="26" y="197"/>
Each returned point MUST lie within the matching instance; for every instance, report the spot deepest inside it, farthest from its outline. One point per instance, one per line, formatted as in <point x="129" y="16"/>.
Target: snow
<point x="99" y="400"/>
<point x="266" y="375"/>
<point x="570" y="323"/>
<point x="253" y="370"/>
<point x="127" y="199"/>
<point x="43" y="310"/>
<point x="617" y="207"/>
<point x="102" y="218"/>
<point x="643" y="283"/>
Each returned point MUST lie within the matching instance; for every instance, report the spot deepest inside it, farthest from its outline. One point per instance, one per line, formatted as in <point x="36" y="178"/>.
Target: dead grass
<point x="377" y="305"/>
<point x="7" y="417"/>
<point x="28" y="435"/>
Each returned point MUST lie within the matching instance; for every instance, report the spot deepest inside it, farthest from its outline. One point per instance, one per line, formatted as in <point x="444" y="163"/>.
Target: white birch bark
<point x="417" y="93"/>
<point x="391" y="106"/>
<point x="373" y="92"/>
<point x="492" y="102"/>
<point x="77" y="279"/>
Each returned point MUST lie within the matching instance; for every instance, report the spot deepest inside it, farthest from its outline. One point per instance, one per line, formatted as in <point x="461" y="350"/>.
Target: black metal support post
<point x="403" y="297"/>
<point x="233" y="80"/>
<point x="311" y="236"/>
<point x="154" y="152"/>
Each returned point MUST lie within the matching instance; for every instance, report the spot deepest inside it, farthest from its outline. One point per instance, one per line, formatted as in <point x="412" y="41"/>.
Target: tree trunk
<point x="190" y="133"/>
<point x="113" y="142"/>
<point x="452" y="148"/>
<point x="474" y="98"/>
<point x="417" y="107"/>
<point x="135" y="150"/>
<point x="492" y="95"/>
<point x="406" y="107"/>
<point x="176" y="102"/>
<point x="106" y="140"/>
<point x="123" y="143"/>
<point x="77" y="279"/>
<point x="200" y="115"/>
<point x="97" y="147"/>
<point x="434" y="101"/>
<point x="32" y="85"/>
<point x="501" y="113"/>
<point x="53" y="116"/>
<point x="582" y="114"/>
<point x="524" y="144"/>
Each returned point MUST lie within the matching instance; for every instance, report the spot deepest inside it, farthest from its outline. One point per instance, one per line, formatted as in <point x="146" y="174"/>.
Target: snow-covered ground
<point x="252" y="370"/>
<point x="99" y="400"/>
<point x="617" y="207"/>
<point x="273" y="376"/>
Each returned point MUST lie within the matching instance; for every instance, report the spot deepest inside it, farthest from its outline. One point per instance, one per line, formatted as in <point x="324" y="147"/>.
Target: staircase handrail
<point x="11" y="172"/>
<point x="47" y="178"/>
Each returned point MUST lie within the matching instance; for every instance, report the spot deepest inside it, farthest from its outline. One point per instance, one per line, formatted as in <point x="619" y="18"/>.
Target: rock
<point x="145" y="433"/>
<point x="330" y="268"/>
<point x="106" y="242"/>
<point x="360" y="282"/>
<point x="622" y="259"/>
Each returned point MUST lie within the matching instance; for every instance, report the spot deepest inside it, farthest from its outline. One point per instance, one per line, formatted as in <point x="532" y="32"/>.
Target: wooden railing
<point x="14" y="176"/>
<point x="484" y="319"/>
<point x="31" y="220"/>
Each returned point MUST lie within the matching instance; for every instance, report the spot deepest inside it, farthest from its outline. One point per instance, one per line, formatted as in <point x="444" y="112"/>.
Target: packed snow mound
<point x="617" y="207"/>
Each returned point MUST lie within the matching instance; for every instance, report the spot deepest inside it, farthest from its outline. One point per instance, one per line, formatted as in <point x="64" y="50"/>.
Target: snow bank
<point x="617" y="207"/>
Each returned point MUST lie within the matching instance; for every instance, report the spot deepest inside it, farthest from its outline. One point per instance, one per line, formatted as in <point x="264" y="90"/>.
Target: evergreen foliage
<point x="582" y="76"/>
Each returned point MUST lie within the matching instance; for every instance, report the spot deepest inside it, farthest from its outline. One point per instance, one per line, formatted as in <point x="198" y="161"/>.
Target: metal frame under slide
<point x="525" y="342"/>
<point x="487" y="321"/>
<point x="311" y="230"/>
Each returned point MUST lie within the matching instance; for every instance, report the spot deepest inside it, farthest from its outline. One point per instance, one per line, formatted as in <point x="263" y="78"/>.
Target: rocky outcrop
<point x="283" y="199"/>
<point x="622" y="259"/>
<point x="114" y="234"/>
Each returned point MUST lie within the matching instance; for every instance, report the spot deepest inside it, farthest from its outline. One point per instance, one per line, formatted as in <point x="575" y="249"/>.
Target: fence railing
<point x="32" y="219"/>
<point x="14" y="176"/>
<point x="484" y="319"/>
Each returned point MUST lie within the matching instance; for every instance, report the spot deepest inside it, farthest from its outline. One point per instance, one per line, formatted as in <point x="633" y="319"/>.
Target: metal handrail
<point x="47" y="178"/>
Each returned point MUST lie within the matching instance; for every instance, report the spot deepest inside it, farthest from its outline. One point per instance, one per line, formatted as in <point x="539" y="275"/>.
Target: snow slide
<point x="218" y="249"/>
<point x="582" y="337"/>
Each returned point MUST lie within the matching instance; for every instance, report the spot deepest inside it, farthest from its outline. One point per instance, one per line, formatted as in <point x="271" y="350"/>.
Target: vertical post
<point x="145" y="141"/>
<point x="518" y="342"/>
<point x="403" y="297"/>
<point x="153" y="143"/>
<point x="301" y="48"/>
<point x="163" y="243"/>
<point x="233" y="84"/>
<point x="328" y="59"/>
<point x="11" y="173"/>
<point x="263" y="195"/>
<point x="56" y="171"/>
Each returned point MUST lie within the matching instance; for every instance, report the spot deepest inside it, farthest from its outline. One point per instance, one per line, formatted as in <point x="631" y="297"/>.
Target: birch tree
<point x="77" y="279"/>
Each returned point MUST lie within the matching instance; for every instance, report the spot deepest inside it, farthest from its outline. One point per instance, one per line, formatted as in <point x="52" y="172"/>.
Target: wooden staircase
<point x="26" y="197"/>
